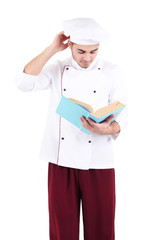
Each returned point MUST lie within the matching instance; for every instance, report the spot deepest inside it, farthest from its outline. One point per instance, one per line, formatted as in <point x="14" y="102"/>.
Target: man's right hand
<point x="35" y="66"/>
<point x="58" y="43"/>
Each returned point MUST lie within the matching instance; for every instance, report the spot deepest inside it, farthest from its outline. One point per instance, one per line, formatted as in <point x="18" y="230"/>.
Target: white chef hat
<point x="85" y="31"/>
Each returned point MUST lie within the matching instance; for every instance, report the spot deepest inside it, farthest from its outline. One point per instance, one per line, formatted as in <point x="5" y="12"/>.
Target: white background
<point x="27" y="28"/>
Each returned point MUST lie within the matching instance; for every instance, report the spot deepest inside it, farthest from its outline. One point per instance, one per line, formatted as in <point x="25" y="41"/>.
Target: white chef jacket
<point x="100" y="84"/>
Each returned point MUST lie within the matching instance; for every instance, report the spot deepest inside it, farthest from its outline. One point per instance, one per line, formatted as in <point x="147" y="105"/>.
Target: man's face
<point x="84" y="54"/>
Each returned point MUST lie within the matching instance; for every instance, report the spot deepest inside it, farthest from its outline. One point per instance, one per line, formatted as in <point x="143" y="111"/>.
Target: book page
<point x="110" y="108"/>
<point x="89" y="108"/>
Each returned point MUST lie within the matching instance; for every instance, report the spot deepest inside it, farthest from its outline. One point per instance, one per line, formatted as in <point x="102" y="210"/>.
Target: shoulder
<point x="113" y="72"/>
<point x="111" y="69"/>
<point x="108" y="66"/>
<point x="56" y="67"/>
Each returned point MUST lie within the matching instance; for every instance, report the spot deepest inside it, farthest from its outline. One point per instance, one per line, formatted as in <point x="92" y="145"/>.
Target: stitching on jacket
<point x="60" y="117"/>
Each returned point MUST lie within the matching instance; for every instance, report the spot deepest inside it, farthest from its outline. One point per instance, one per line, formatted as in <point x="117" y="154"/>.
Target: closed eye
<point x="93" y="52"/>
<point x="81" y="52"/>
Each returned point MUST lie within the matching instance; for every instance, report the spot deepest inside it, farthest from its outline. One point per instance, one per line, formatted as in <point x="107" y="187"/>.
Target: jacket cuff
<point x="25" y="82"/>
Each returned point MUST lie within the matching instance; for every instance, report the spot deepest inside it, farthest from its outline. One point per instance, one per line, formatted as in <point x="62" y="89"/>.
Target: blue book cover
<point x="72" y="110"/>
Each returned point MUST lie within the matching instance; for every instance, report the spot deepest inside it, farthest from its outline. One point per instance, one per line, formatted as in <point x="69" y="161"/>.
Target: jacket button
<point x="67" y="68"/>
<point x="94" y="91"/>
<point x="62" y="138"/>
<point x="64" y="89"/>
<point x="99" y="68"/>
<point x="89" y="141"/>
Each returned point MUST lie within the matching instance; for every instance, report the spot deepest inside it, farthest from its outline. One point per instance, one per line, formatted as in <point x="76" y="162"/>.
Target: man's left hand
<point x="100" y="128"/>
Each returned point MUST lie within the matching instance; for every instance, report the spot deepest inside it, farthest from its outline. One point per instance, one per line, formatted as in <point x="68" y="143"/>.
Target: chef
<point x="81" y="166"/>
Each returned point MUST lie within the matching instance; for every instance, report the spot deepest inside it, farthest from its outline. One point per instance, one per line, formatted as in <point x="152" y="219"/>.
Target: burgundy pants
<point x="95" y="188"/>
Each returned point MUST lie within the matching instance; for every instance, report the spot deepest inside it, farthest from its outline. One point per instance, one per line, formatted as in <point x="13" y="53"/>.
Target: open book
<point x="72" y="110"/>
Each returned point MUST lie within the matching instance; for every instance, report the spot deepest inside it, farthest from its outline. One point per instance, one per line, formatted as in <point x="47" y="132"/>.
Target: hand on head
<point x="58" y="43"/>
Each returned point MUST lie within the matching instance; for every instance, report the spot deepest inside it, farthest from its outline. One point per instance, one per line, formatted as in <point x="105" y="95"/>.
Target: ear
<point x="69" y="44"/>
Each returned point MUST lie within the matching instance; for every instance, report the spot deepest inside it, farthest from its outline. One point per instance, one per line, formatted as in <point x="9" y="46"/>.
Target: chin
<point x="84" y="65"/>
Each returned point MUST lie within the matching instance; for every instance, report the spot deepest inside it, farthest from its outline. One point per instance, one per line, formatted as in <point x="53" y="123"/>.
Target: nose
<point x="87" y="57"/>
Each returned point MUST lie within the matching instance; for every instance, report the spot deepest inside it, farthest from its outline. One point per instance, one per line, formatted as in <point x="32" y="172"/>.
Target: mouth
<point x="85" y="63"/>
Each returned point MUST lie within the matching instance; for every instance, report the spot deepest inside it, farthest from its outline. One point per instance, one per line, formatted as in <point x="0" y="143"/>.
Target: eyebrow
<point x="81" y="50"/>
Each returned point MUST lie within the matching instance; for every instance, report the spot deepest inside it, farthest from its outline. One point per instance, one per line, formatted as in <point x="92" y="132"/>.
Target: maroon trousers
<point x="95" y="188"/>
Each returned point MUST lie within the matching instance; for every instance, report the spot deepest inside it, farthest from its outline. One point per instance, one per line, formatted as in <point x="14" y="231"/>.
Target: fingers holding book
<point x="99" y="128"/>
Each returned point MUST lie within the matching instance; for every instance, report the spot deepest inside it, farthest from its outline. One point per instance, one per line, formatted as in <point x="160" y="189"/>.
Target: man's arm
<point x="35" y="66"/>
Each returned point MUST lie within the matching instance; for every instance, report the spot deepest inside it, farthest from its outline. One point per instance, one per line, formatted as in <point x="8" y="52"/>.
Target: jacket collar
<point x="93" y="65"/>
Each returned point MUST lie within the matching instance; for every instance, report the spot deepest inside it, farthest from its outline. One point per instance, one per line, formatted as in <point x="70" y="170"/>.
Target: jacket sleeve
<point x="119" y="93"/>
<point x="28" y="83"/>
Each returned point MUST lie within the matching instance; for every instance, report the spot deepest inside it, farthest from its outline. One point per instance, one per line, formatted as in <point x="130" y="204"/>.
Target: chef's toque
<point x="85" y="31"/>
